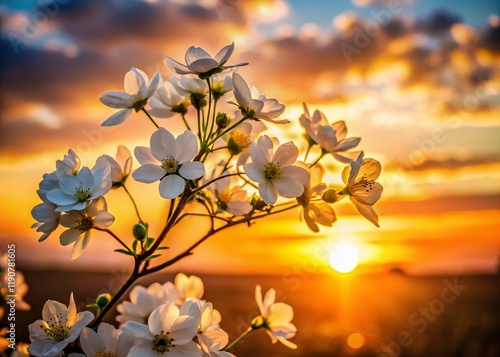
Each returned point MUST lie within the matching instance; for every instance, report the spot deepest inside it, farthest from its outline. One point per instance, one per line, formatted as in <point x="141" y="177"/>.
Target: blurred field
<point x="391" y="314"/>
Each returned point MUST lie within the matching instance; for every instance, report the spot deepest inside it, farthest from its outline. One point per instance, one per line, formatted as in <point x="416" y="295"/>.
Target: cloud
<point x="450" y="163"/>
<point x="438" y="22"/>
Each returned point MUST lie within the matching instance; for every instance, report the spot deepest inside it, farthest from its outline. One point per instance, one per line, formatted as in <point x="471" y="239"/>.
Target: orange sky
<point x="425" y="102"/>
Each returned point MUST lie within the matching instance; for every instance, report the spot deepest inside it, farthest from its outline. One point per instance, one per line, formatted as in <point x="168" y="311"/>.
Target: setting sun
<point x="344" y="258"/>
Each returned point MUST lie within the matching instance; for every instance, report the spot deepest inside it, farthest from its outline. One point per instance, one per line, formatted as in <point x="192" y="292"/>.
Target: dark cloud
<point x="490" y="39"/>
<point x="438" y="22"/>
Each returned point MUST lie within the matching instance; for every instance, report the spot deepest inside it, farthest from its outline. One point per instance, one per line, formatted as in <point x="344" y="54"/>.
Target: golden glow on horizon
<point x="344" y="258"/>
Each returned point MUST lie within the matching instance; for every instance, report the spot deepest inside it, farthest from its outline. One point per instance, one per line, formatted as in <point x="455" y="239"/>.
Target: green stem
<point x="227" y="131"/>
<point x="239" y="339"/>
<point x="112" y="235"/>
<point x="185" y="122"/>
<point x="150" y="118"/>
<point x="133" y="202"/>
<point x="205" y="131"/>
<point x="317" y="160"/>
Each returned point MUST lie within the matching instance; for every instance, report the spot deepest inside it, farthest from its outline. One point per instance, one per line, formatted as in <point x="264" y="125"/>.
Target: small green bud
<point x="222" y="120"/>
<point x="233" y="147"/>
<point x="140" y="231"/>
<point x="102" y="300"/>
<point x="330" y="196"/>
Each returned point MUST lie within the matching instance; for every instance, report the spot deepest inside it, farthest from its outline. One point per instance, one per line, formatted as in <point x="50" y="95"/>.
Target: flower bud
<point x="258" y="322"/>
<point x="222" y="120"/>
<point x="140" y="231"/>
<point x="330" y="196"/>
<point x="102" y="300"/>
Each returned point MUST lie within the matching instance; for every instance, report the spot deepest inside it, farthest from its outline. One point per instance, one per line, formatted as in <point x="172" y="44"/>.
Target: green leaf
<point x="149" y="241"/>
<point x="162" y="248"/>
<point x="152" y="257"/>
<point x="124" y="251"/>
<point x="134" y="246"/>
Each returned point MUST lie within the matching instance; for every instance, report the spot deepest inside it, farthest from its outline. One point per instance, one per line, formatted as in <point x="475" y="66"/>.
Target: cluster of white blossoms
<point x="222" y="162"/>
<point x="170" y="320"/>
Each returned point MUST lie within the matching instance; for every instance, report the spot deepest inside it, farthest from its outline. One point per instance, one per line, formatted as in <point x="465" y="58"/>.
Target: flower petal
<point x="163" y="144"/>
<point x="289" y="186"/>
<point x="175" y="66"/>
<point x="268" y="193"/>
<point x="144" y="156"/>
<point x="187" y="147"/>
<point x="203" y="65"/>
<point x="286" y="154"/>
<point x="91" y="342"/>
<point x="117" y="118"/>
<point x="223" y="55"/>
<point x="241" y="91"/>
<point x="148" y="173"/>
<point x="171" y="186"/>
<point x="117" y="100"/>
<point x="192" y="170"/>
<point x="195" y="53"/>
<point x="280" y="313"/>
<point x="366" y="211"/>
<point x="255" y="173"/>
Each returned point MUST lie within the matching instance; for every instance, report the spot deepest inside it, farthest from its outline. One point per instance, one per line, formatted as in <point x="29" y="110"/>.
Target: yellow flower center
<point x="273" y="171"/>
<point x="82" y="194"/>
<point x="57" y="330"/>
<point x="170" y="165"/>
<point x="240" y="139"/>
<point x="162" y="342"/>
<point x="84" y="224"/>
<point x="366" y="185"/>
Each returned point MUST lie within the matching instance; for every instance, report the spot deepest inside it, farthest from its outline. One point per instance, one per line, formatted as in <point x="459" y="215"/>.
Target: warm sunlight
<point x="344" y="258"/>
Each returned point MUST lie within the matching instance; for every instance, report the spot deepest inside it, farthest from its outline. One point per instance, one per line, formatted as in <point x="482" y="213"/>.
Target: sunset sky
<point x="418" y="80"/>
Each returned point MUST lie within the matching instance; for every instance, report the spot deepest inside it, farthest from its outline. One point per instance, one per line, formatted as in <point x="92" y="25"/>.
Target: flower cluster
<point x="162" y="320"/>
<point x="222" y="168"/>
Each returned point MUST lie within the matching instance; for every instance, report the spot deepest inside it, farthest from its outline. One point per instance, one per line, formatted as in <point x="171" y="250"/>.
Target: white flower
<point x="228" y="197"/>
<point x="167" y="334"/>
<point x="220" y="85"/>
<point x="240" y="138"/>
<point x="167" y="101"/>
<point x="138" y="89"/>
<point x="107" y="341"/>
<point x="120" y="168"/>
<point x="199" y="62"/>
<point x="80" y="223"/>
<point x="168" y="160"/>
<point x="331" y="138"/>
<point x="20" y="287"/>
<point x="313" y="212"/>
<point x="142" y="302"/>
<point x="184" y="287"/>
<point x="211" y="337"/>
<point x="361" y="187"/>
<point x="276" y="317"/>
<point x="255" y="105"/>
<point x="275" y="173"/>
<point x="46" y="215"/>
<point x="59" y="326"/>
<point x="76" y="191"/>
<point x="69" y="165"/>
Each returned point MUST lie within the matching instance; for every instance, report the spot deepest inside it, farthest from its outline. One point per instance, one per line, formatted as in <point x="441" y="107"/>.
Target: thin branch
<point x="133" y="202"/>
<point x="112" y="235"/>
